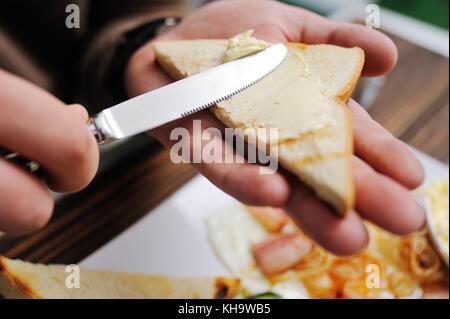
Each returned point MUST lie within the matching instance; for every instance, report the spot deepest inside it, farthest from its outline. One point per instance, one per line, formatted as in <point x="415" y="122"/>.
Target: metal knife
<point x="177" y="100"/>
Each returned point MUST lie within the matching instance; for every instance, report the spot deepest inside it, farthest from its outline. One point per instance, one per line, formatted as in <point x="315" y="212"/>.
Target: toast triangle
<point x="322" y="77"/>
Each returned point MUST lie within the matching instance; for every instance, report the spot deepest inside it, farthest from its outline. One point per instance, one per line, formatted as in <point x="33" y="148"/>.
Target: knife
<point x="176" y="100"/>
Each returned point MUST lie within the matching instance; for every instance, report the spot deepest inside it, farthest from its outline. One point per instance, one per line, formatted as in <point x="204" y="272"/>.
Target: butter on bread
<point x="305" y="98"/>
<point x="19" y="279"/>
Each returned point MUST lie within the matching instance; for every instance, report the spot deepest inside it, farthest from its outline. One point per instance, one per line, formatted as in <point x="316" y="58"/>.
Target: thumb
<point x="79" y="110"/>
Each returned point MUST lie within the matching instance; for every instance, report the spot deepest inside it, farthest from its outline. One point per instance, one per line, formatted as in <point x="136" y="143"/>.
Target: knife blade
<point x="184" y="97"/>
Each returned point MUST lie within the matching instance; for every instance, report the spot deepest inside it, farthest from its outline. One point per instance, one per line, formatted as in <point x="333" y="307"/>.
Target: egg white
<point x="232" y="232"/>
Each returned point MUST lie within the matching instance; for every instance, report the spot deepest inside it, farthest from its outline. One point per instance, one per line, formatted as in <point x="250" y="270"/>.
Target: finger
<point x="385" y="202"/>
<point x="341" y="236"/>
<point x="80" y="111"/>
<point x="246" y="183"/>
<point x="40" y="127"/>
<point x="381" y="53"/>
<point x="243" y="181"/>
<point x="388" y="155"/>
<point x="228" y="171"/>
<point x="143" y="74"/>
<point x="25" y="203"/>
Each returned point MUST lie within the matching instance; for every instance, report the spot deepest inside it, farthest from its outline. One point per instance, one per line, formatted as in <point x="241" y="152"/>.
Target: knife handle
<point x="33" y="166"/>
<point x="13" y="157"/>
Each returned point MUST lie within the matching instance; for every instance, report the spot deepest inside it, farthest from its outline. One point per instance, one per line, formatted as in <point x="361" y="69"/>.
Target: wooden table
<point x="413" y="105"/>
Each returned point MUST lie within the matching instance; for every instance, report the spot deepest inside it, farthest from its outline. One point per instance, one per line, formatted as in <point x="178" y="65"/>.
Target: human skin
<point x="40" y="127"/>
<point x="384" y="168"/>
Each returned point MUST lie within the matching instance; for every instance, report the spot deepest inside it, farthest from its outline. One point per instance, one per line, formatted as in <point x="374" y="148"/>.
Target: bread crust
<point x="16" y="287"/>
<point x="343" y="98"/>
<point x="341" y="205"/>
<point x="18" y="281"/>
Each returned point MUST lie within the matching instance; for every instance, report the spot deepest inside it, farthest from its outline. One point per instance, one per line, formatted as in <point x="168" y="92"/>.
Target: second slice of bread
<point x="19" y="279"/>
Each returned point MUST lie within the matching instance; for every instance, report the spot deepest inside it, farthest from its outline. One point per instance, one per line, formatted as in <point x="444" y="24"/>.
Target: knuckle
<point x="77" y="105"/>
<point x="80" y="158"/>
<point x="41" y="215"/>
<point x="34" y="213"/>
<point x="79" y="147"/>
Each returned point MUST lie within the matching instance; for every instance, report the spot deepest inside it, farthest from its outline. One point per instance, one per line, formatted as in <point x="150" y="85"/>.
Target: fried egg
<point x="232" y="232"/>
<point x="438" y="214"/>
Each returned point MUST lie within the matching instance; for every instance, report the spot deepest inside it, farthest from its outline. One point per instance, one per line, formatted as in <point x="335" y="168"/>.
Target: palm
<point x="381" y="181"/>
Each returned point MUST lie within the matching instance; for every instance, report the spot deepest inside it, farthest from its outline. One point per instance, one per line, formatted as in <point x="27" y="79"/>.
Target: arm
<point x="384" y="168"/>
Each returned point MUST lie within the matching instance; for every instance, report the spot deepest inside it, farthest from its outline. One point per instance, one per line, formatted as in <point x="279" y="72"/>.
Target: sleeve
<point x="109" y="24"/>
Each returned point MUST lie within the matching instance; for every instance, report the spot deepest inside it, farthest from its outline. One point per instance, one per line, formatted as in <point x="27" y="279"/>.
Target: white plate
<point x="171" y="240"/>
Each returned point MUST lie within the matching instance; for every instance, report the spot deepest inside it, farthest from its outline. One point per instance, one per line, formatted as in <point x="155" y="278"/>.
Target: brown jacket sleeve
<point x="112" y="22"/>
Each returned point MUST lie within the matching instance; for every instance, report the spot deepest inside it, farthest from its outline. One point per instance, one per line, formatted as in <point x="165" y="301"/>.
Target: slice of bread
<point x="305" y="99"/>
<point x="20" y="279"/>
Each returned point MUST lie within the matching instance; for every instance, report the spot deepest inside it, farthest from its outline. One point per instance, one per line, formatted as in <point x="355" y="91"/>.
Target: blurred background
<point x="434" y="12"/>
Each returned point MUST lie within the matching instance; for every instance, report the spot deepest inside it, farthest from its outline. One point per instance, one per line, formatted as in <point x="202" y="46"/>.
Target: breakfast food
<point x="20" y="279"/>
<point x="285" y="263"/>
<point x="304" y="99"/>
<point x="436" y="199"/>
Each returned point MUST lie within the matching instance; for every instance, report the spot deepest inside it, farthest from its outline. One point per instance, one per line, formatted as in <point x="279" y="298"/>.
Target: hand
<point x="40" y="127"/>
<point x="384" y="168"/>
